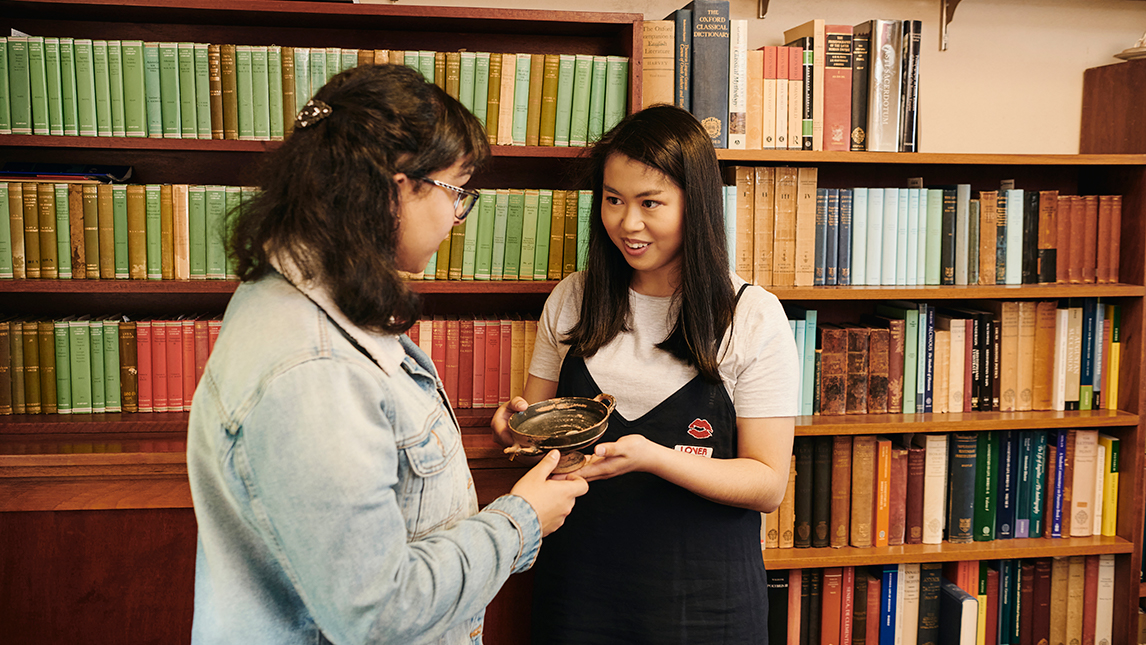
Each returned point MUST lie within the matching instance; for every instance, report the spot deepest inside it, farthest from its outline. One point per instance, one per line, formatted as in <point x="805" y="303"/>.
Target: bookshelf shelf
<point x="928" y="158"/>
<point x="946" y="552"/>
<point x="961" y="422"/>
<point x="972" y="292"/>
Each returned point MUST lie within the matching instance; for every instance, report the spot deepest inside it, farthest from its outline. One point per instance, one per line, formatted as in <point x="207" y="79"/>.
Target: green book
<point x="541" y="246"/>
<point x="19" y="85"/>
<point x="112" y="396"/>
<point x="584" y="210"/>
<point x="349" y="59"/>
<point x="154" y="235"/>
<point x="317" y="71"/>
<point x="426" y="65"/>
<point x="469" y="243"/>
<point x="79" y="354"/>
<point x="119" y="231"/>
<point x="616" y="90"/>
<point x="500" y="223"/>
<point x="986" y="485"/>
<point x="481" y="86"/>
<point x="95" y="346"/>
<point x="115" y="88"/>
<point x="197" y="231"/>
<point x="188" y="112"/>
<point x="597" y="98"/>
<point x="514" y="225"/>
<point x="302" y="91"/>
<point x="202" y="91"/>
<point x="521" y="98"/>
<point x="5" y="234"/>
<point x="566" y="74"/>
<point x="68" y="86"/>
<point x="38" y="85"/>
<point x="333" y="62"/>
<point x="275" y="90"/>
<point x="169" y="90"/>
<point x="63" y="367"/>
<point x="5" y="110"/>
<point x="260" y="94"/>
<point x="1038" y="487"/>
<point x="484" y="252"/>
<point x="134" y="94"/>
<point x="102" y="88"/>
<point x="63" y="234"/>
<point x="152" y="89"/>
<point x="410" y="59"/>
<point x="235" y="196"/>
<point x="216" y="213"/>
<point x="245" y="88"/>
<point x="528" y="235"/>
<point x="934" y="235"/>
<point x="466" y="80"/>
<point x="53" y="87"/>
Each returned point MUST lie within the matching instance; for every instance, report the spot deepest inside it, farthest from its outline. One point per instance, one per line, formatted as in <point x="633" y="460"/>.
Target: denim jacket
<point x="332" y="494"/>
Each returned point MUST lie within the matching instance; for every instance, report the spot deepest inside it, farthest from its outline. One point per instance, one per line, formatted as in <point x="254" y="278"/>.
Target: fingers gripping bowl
<point x="566" y="424"/>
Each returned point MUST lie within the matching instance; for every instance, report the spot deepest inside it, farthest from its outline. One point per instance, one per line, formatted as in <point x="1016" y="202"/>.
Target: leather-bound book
<point x="1043" y="359"/>
<point x="859" y="607"/>
<point x="1040" y="602"/>
<point x="46" y="212"/>
<point x="831" y="604"/>
<point x="815" y="606"/>
<point x="896" y="330"/>
<point x="76" y="231"/>
<point x="874" y="594"/>
<point x="215" y="89"/>
<point x="228" y="84"/>
<point x="1115" y="240"/>
<point x="31" y="342"/>
<point x="913" y="515"/>
<point x="988" y="222"/>
<point x="1090" y="598"/>
<point x="1063" y="224"/>
<point x="992" y="621"/>
<point x="833" y="369"/>
<point x="465" y="362"/>
<point x="804" y="450"/>
<point x="452" y="356"/>
<point x="1060" y="575"/>
<point x="16" y="228"/>
<point x="856" y="383"/>
<point x="1089" y="237"/>
<point x="1048" y="236"/>
<point x="863" y="490"/>
<point x="1075" y="598"/>
<point x="841" y="489"/>
<point x="105" y="231"/>
<point x="879" y="341"/>
<point x="128" y="367"/>
<point x="847" y="604"/>
<point x="897" y="510"/>
<point x="1026" y="601"/>
<point x="796" y="593"/>
<point x="492" y="361"/>
<point x="930" y="579"/>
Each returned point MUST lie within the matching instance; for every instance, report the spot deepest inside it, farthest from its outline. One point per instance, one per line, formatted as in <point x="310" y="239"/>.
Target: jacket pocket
<point x="435" y="491"/>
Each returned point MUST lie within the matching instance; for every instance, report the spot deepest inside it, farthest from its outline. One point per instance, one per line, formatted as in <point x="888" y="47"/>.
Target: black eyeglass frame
<point x="462" y="193"/>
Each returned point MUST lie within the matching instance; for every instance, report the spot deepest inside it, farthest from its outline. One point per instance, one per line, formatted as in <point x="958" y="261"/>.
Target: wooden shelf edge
<point x="960" y="292"/>
<point x="931" y="158"/>
<point x="966" y="421"/>
<point x="996" y="550"/>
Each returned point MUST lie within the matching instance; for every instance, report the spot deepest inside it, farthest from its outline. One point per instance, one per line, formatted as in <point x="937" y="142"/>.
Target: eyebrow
<point x="647" y="193"/>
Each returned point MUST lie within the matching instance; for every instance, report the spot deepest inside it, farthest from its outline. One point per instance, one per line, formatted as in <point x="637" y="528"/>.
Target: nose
<point x="632" y="218"/>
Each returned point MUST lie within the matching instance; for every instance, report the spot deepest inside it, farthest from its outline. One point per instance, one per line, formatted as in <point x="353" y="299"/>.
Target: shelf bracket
<point x="761" y="8"/>
<point x="946" y="15"/>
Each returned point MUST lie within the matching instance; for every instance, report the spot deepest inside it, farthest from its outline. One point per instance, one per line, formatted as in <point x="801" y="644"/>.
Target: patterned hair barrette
<point x="311" y="113"/>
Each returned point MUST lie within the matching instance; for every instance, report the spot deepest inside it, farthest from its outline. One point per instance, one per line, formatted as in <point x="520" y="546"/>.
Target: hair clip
<point x="311" y="113"/>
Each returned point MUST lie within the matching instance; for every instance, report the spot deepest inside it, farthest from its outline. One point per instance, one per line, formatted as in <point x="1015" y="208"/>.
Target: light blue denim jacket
<point x="331" y="491"/>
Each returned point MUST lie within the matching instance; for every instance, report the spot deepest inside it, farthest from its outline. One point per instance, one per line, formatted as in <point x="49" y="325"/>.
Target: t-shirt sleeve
<point x="767" y="370"/>
<point x="560" y="312"/>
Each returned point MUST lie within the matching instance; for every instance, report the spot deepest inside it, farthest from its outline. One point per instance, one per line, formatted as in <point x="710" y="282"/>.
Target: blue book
<point x="901" y="243"/>
<point x="921" y="238"/>
<point x="682" y="64"/>
<point x="1038" y="486"/>
<point x="832" y="239"/>
<point x="1023" y="492"/>
<point x="711" y="38"/>
<point x="1008" y="479"/>
<point x="888" y="601"/>
<point x="874" y="236"/>
<point x="808" y="375"/>
<point x="844" y="244"/>
<point x="858" y="260"/>
<point x="821" y="247"/>
<point x="1099" y="320"/>
<point x="1059" y="470"/>
<point x="1086" y="370"/>
<point x="799" y="327"/>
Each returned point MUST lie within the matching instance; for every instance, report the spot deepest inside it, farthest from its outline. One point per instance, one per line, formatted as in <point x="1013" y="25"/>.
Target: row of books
<point x="828" y="87"/>
<point x="83" y="366"/>
<point x="877" y="491"/>
<point x="790" y="231"/>
<point x="173" y="90"/>
<point x="1057" y="600"/>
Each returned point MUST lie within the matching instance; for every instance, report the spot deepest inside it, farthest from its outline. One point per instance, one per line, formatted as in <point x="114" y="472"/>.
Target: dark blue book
<point x="1023" y="492"/>
<point x="958" y="615"/>
<point x="832" y="239"/>
<point x="1008" y="478"/>
<point x="930" y="580"/>
<point x="961" y="459"/>
<point x="929" y="380"/>
<point x="888" y="595"/>
<point x="682" y="63"/>
<point x="844" y="255"/>
<point x="711" y="38"/>
<point x="1038" y="484"/>
<point x="818" y="279"/>
<point x="947" y="237"/>
<point x="1086" y="370"/>
<point x="1059" y="473"/>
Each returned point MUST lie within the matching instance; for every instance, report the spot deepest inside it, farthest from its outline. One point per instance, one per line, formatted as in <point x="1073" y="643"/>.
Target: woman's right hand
<point x="551" y="499"/>
<point x="500" y="421"/>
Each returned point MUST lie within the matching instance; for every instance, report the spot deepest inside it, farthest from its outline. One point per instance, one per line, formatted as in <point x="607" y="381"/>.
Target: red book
<point x="1077" y="237"/>
<point x="1089" y="237"/>
<point x="492" y="362"/>
<point x="897" y="512"/>
<point x="438" y="346"/>
<point x="837" y="87"/>
<point x="1115" y="243"/>
<point x="913" y="514"/>
<point x="412" y="333"/>
<point x="831" y="607"/>
<point x="1027" y="602"/>
<point x="1040" y="621"/>
<point x="159" y="366"/>
<point x="189" y="379"/>
<point x="478" y="372"/>
<point x="453" y="358"/>
<point x="1090" y="600"/>
<point x="505" y="361"/>
<point x="174" y="366"/>
<point x="847" y="605"/>
<point x="143" y="359"/>
<point x="213" y="327"/>
<point x="873" y="614"/>
<point x="795" y="585"/>
<point x="992" y="626"/>
<point x="202" y="349"/>
<point x="466" y="362"/>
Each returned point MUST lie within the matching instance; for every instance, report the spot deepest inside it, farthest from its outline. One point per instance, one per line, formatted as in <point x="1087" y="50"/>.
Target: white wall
<point x="1009" y="82"/>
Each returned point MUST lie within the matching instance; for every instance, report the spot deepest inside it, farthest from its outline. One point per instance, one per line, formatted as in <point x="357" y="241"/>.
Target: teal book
<point x="275" y="90"/>
<point x="1038" y="484"/>
<point x="521" y="99"/>
<point x="429" y="273"/>
<point x="63" y="367"/>
<point x="102" y="88"/>
<point x="79" y="353"/>
<point x="544" y="222"/>
<point x="153" y="229"/>
<point x="169" y="90"/>
<point x="197" y="231"/>
<point x="63" y="233"/>
<point x="566" y="72"/>
<point x="986" y="485"/>
<point x="68" y="86"/>
<point x="932" y="263"/>
<point x="85" y="88"/>
<point x="500" y="224"/>
<point x="202" y="91"/>
<point x="579" y="108"/>
<point x="317" y="70"/>
<point x="528" y="235"/>
<point x="260" y="94"/>
<point x="481" y="86"/>
<point x="244" y="88"/>
<point x="115" y="88"/>
<point x="152" y="90"/>
<point x="348" y="59"/>
<point x="5" y="110"/>
<point x="584" y="211"/>
<point x="53" y="87"/>
<point x="302" y="91"/>
<point x="469" y="243"/>
<point x="426" y="65"/>
<point x="95" y="343"/>
<point x="38" y="85"/>
<point x="514" y="223"/>
<point x="466" y="80"/>
<point x="216" y="212"/>
<point x="119" y="231"/>
<point x="112" y="396"/>
<point x="617" y="91"/>
<point x="333" y="62"/>
<point x="5" y="234"/>
<point x="484" y="253"/>
<point x="1022" y="504"/>
<point x="134" y="89"/>
<point x="597" y="98"/>
<point x="20" y="85"/>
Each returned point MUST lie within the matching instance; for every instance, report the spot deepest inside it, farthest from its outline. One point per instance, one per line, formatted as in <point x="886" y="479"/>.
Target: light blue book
<point x="912" y="268"/>
<point x="616" y="90"/>
<point x="921" y="238"/>
<point x="874" y="236"/>
<point x="112" y="395"/>
<point x="584" y="211"/>
<point x="730" y="225"/>
<point x="317" y="71"/>
<point x="565" y="76"/>
<point x="901" y="240"/>
<point x="484" y="253"/>
<point x="466" y="80"/>
<point x="481" y="86"/>
<point x="500" y="222"/>
<point x="934" y="235"/>
<point x="63" y="233"/>
<point x="859" y="236"/>
<point x="521" y="99"/>
<point x="115" y="85"/>
<point x="431" y="270"/>
<point x="801" y="337"/>
<point x="5" y="233"/>
<point x="544" y="224"/>
<point x="302" y="91"/>
<point x="153" y="235"/>
<point x="119" y="231"/>
<point x="333" y="62"/>
<point x="890" y="248"/>
<point x="349" y="59"/>
<point x="962" y="232"/>
<point x="1015" y="236"/>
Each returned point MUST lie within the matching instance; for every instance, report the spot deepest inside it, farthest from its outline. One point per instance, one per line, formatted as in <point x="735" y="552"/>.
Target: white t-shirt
<point x="758" y="362"/>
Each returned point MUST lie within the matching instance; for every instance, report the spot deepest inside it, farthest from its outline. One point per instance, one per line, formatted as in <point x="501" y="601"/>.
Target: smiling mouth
<point x="636" y="246"/>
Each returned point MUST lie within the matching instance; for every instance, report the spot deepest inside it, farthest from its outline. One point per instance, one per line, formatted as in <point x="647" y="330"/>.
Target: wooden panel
<point x="1112" y="116"/>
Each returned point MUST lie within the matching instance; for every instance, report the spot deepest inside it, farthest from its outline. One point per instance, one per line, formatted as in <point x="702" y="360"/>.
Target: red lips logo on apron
<point x="700" y="429"/>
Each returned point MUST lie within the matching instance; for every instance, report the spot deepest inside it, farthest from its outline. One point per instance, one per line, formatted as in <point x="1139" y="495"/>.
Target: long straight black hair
<point x="672" y="142"/>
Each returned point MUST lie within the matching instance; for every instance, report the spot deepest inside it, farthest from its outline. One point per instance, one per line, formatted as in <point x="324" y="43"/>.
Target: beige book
<point x="784" y="233"/>
<point x="181" y="231"/>
<point x="941" y="401"/>
<point x="788" y="509"/>
<point x="807" y="179"/>
<point x="1075" y="598"/>
<point x="743" y="254"/>
<point x="1008" y="356"/>
<point x="763" y="224"/>
<point x="505" y="107"/>
<point x="658" y="74"/>
<point x="1083" y="492"/>
<point x="755" y="136"/>
<point x="1028" y="317"/>
<point x="1060" y="574"/>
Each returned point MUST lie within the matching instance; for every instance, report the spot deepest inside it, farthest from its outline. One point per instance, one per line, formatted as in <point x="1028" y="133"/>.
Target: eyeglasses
<point x="464" y="201"/>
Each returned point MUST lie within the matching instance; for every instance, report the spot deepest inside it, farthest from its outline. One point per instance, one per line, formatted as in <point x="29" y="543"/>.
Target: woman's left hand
<point x="631" y="453"/>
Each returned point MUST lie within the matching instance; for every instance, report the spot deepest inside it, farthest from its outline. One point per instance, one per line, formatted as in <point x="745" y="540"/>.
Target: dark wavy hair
<point x="671" y="141"/>
<point x="329" y="202"/>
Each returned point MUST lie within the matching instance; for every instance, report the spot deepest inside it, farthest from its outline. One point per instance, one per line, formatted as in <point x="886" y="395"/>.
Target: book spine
<point x="912" y="34"/>
<point x="738" y="84"/>
<point x="67" y="86"/>
<point x="169" y="90"/>
<point x="711" y="40"/>
<point x="134" y="89"/>
<point x="188" y="104"/>
<point x="861" y="64"/>
<point x="151" y="87"/>
<point x="116" y="88"/>
<point x="38" y="85"/>
<point x="682" y="59"/>
<point x="203" y="97"/>
<point x="885" y="78"/>
<point x="837" y="87"/>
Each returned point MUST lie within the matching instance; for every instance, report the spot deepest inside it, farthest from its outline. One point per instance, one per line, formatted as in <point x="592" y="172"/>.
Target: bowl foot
<point x="570" y="461"/>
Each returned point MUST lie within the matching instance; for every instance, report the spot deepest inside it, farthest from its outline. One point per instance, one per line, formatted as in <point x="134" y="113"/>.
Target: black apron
<point x="641" y="560"/>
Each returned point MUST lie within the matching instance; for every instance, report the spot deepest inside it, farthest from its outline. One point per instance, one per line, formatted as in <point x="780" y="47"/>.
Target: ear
<point x="401" y="178"/>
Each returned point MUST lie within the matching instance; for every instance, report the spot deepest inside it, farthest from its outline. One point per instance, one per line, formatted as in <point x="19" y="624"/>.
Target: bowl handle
<point x="609" y="400"/>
